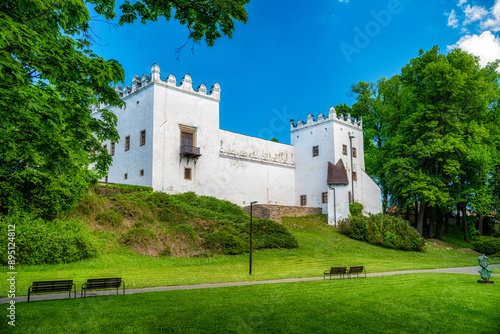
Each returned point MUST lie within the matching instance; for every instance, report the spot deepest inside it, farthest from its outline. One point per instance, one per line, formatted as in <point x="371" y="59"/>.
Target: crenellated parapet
<point x="186" y="85"/>
<point x="332" y="116"/>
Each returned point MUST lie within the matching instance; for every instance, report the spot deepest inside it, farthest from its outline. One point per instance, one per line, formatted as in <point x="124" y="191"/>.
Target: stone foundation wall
<point x="275" y="212"/>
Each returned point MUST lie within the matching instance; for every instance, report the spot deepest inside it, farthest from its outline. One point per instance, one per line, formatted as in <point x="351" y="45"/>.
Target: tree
<point x="435" y="129"/>
<point x="50" y="79"/>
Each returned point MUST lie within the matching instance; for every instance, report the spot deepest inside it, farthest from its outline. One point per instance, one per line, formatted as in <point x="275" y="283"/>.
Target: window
<point x="315" y="151"/>
<point x="143" y="138"/>
<point x="344" y="149"/>
<point x="141" y="172"/>
<point x="105" y="147"/>
<point x="187" y="139"/>
<point x="324" y="197"/>
<point x="187" y="173"/>
<point x="106" y="179"/>
<point x="112" y="148"/>
<point x="354" y="152"/>
<point x="349" y="196"/>
<point x="125" y="176"/>
<point x="354" y="176"/>
<point x="127" y="143"/>
<point x="303" y="200"/>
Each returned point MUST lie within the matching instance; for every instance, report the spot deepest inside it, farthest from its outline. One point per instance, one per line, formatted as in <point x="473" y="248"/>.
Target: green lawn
<point x="417" y="303"/>
<point x="320" y="247"/>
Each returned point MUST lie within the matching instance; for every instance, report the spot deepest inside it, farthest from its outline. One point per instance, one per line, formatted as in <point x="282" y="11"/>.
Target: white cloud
<point x="343" y="0"/>
<point x="452" y="19"/>
<point x="461" y="2"/>
<point x="493" y="22"/>
<point x="474" y="13"/>
<point x="486" y="46"/>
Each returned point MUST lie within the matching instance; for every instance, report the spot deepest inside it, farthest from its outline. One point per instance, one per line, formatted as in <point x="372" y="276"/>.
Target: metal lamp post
<point x="251" y="231"/>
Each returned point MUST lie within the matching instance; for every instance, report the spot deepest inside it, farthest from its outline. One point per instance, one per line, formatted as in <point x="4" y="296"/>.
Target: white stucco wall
<point x="254" y="169"/>
<point x="137" y="115"/>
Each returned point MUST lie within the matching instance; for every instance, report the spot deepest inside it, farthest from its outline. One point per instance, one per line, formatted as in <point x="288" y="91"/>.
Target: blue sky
<point x="297" y="57"/>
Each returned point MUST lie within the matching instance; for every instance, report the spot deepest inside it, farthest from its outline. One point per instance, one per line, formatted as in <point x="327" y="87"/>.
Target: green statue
<point x="485" y="271"/>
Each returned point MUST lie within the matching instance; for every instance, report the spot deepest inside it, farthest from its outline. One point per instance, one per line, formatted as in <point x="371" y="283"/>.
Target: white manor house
<point x="170" y="140"/>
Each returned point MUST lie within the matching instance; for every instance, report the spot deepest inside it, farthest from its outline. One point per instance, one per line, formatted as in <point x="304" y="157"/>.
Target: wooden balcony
<point x="190" y="152"/>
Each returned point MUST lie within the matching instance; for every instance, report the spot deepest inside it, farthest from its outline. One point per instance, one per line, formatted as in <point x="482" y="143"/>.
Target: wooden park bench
<point x="341" y="271"/>
<point x="356" y="270"/>
<point x="52" y="286"/>
<point x="103" y="283"/>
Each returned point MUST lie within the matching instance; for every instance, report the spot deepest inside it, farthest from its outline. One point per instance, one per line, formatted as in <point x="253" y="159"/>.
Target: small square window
<point x="354" y="176"/>
<point x="127" y="143"/>
<point x="141" y="173"/>
<point x="187" y="174"/>
<point x="106" y="179"/>
<point x="324" y="197"/>
<point x="303" y="200"/>
<point x="354" y="152"/>
<point x="349" y="197"/>
<point x="344" y="149"/>
<point x="112" y="149"/>
<point x="125" y="176"/>
<point x="315" y="151"/>
<point x="143" y="138"/>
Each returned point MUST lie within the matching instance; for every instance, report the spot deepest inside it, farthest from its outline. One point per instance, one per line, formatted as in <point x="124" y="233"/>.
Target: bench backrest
<point x="94" y="283"/>
<point x="49" y="286"/>
<point x="358" y="269"/>
<point x="338" y="270"/>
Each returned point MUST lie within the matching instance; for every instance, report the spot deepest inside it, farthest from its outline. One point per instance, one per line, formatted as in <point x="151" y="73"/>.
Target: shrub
<point x="270" y="234"/>
<point x="138" y="237"/>
<point x="224" y="242"/>
<point x="356" y="209"/>
<point x="39" y="241"/>
<point x="486" y="245"/>
<point x="383" y="230"/>
<point x="109" y="218"/>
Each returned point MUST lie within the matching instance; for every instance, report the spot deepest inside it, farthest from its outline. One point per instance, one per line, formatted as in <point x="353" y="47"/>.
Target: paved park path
<point x="36" y="297"/>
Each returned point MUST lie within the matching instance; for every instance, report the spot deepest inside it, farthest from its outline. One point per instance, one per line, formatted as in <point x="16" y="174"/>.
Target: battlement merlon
<point x="332" y="116"/>
<point x="186" y="84"/>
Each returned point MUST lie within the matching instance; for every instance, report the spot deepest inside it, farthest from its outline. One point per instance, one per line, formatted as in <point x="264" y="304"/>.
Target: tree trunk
<point x="439" y="224"/>
<point x="446" y="228"/>
<point x="480" y="219"/>
<point x="420" y="220"/>
<point x="459" y="211"/>
<point x="464" y="219"/>
<point x="407" y="213"/>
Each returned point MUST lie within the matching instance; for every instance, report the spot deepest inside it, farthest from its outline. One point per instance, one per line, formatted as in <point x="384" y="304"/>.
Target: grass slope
<point x="419" y="303"/>
<point x="320" y="247"/>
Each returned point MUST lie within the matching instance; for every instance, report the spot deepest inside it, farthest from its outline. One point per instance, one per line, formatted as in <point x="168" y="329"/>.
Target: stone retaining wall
<point x="275" y="212"/>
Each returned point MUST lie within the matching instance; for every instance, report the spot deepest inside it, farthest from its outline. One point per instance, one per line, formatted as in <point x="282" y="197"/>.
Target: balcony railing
<point x="190" y="151"/>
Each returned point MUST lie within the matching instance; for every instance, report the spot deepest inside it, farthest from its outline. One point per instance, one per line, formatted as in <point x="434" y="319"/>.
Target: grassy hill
<point x="320" y="246"/>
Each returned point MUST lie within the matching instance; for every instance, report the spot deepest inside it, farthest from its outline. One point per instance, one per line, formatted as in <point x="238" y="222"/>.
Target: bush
<point x="383" y="230"/>
<point x="138" y="237"/>
<point x="356" y="209"/>
<point x="109" y="218"/>
<point x="270" y="234"/>
<point x="486" y="245"/>
<point x="224" y="242"/>
<point x="39" y="241"/>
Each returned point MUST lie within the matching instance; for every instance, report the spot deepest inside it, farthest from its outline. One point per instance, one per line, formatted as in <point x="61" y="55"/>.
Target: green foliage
<point x="138" y="237"/>
<point x="225" y="242"/>
<point x="51" y="78"/>
<point x="38" y="241"/>
<point x="486" y="245"/>
<point x="270" y="234"/>
<point x="109" y="218"/>
<point x="431" y="132"/>
<point x="383" y="230"/>
<point x="356" y="209"/>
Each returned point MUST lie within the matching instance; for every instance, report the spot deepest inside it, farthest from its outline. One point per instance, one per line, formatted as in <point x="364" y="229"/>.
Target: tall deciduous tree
<point x="439" y="125"/>
<point x="50" y="78"/>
